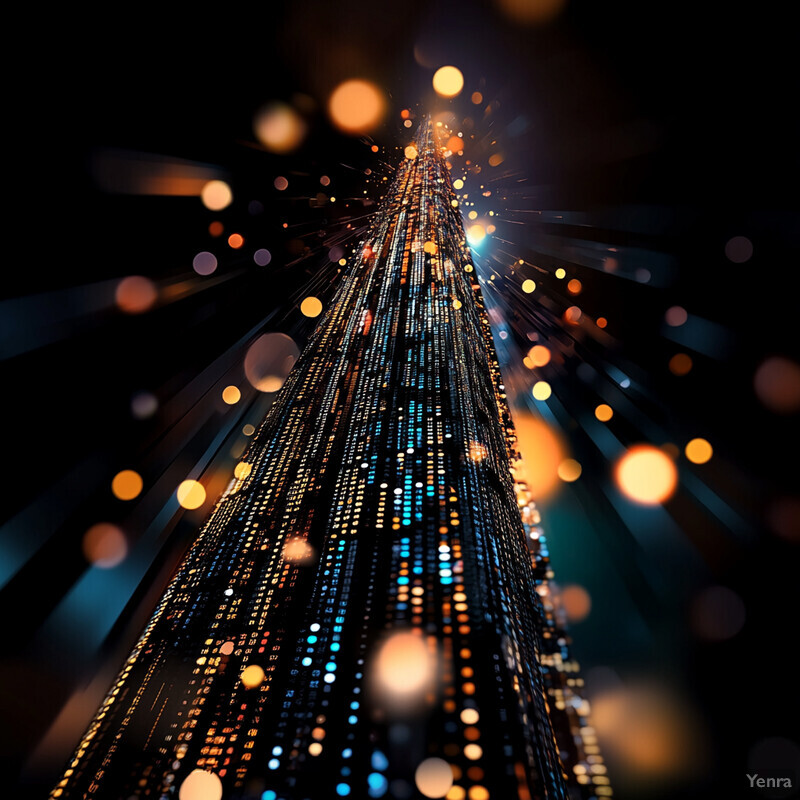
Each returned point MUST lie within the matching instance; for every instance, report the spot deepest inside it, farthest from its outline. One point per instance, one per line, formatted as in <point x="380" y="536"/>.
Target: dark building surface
<point x="362" y="599"/>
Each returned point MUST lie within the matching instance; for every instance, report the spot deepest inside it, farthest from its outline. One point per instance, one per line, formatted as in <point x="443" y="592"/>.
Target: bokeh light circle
<point x="216" y="195"/>
<point x="191" y="494"/>
<point x="434" y="777"/>
<point x="448" y="81"/>
<point x="201" y="785"/>
<point x="136" y="294"/>
<point x="646" y="475"/>
<point x="268" y="361"/>
<point x="356" y="106"/>
<point x="127" y="484"/>
<point x="104" y="545"/>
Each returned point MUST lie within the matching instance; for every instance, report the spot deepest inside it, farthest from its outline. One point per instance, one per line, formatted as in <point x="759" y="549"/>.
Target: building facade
<point x="359" y="615"/>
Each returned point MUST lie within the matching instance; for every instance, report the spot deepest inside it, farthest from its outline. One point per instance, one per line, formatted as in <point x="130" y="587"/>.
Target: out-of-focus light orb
<point x="135" y="294"/>
<point x="574" y="286"/>
<point x="279" y="128"/>
<point x="569" y="470"/>
<point x="777" y="384"/>
<point x="127" y="484"/>
<point x="430" y="247"/>
<point x="528" y="286"/>
<point x="280" y="183"/>
<point x="576" y="602"/>
<point x="561" y="273"/>
<point x="448" y="81"/>
<point x="216" y="195"/>
<point x="680" y="364"/>
<point x="476" y="233"/>
<point x="144" y="405"/>
<point x="601" y="322"/>
<point x="676" y="316"/>
<point x="235" y="240"/>
<point x="531" y="12"/>
<point x="539" y="355"/>
<point x="216" y="228"/>
<point x="604" y="412"/>
<point x="542" y="450"/>
<point x="469" y="716"/>
<point x="717" y="613"/>
<point x="356" y="106"/>
<point x="433" y="777"/>
<point x="477" y="98"/>
<point x="573" y="315"/>
<point x="646" y="475"/>
<point x="297" y="550"/>
<point x="456" y="304"/>
<point x="473" y="214"/>
<point x="104" y="545"/>
<point x="252" y="676"/>
<point x="242" y="470"/>
<point x="204" y="263"/>
<point x="783" y="516"/>
<point x="698" y="451"/>
<point x="496" y="159"/>
<point x="269" y="360"/>
<point x="262" y="257"/>
<point x="227" y="648"/>
<point x="201" y="785"/>
<point x="455" y="144"/>
<point x="231" y="395"/>
<point x="249" y="430"/>
<point x="311" y="307"/>
<point x="403" y="667"/>
<point x="191" y="494"/>
<point x="411" y="152"/>
<point x="739" y="249"/>
<point x="541" y="390"/>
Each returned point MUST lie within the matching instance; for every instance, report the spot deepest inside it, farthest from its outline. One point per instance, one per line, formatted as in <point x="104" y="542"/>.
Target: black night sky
<point x="659" y="129"/>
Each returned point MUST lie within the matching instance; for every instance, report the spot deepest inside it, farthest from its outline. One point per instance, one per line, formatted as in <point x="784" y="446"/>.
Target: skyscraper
<point x="358" y="616"/>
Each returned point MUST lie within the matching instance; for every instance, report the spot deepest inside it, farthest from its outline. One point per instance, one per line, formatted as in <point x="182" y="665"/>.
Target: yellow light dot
<point x="478" y="793"/>
<point x="456" y="304"/>
<point x="356" y="106"/>
<point x="127" y="484"/>
<point x="411" y="152"/>
<point x="647" y="475"/>
<point x="434" y="777"/>
<point x="448" y="81"/>
<point x="569" y="470"/>
<point x="311" y="307"/>
<point x="201" y="785"/>
<point x="252" y="676"/>
<point x="242" y="470"/>
<point x="191" y="494"/>
<point x="473" y="215"/>
<point x="539" y="355"/>
<point x="458" y="183"/>
<point x="231" y="395"/>
<point x="604" y="412"/>
<point x="430" y="247"/>
<point x="476" y="233"/>
<point x="216" y="195"/>
<point x="561" y="273"/>
<point x="473" y="752"/>
<point x="314" y="749"/>
<point x="468" y="268"/>
<point x="541" y="390"/>
<point x="698" y="451"/>
<point x="279" y="128"/>
<point x="342" y="262"/>
<point x="528" y="286"/>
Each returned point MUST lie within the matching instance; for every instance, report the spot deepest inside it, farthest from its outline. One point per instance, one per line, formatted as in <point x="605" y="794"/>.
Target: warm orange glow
<point x="200" y="785"/>
<point x="356" y="106"/>
<point x="680" y="364"/>
<point x="604" y="412"/>
<point x="576" y="602"/>
<point x="404" y="668"/>
<point x="191" y="494"/>
<point x="216" y="195"/>
<point x="602" y="322"/>
<point x="279" y="128"/>
<point x="777" y="384"/>
<point x="269" y="360"/>
<point x="242" y="470"/>
<point x="252" y="676"/>
<point x="476" y="233"/>
<point x="539" y="355"/>
<point x="136" y="294"/>
<point x="410" y="152"/>
<point x="216" y="228"/>
<point x="127" y="484"/>
<point x="311" y="307"/>
<point x="698" y="451"/>
<point x="433" y="777"/>
<point x="573" y="315"/>
<point x="297" y="550"/>
<point x="448" y="81"/>
<point x="569" y="470"/>
<point x="235" y="240"/>
<point x="455" y="144"/>
<point x="104" y="545"/>
<point x="531" y="12"/>
<point x="646" y="475"/>
<point x="496" y="159"/>
<point x="541" y="390"/>
<point x="477" y="98"/>
<point x="231" y="395"/>
<point x="574" y="286"/>
<point x="542" y="450"/>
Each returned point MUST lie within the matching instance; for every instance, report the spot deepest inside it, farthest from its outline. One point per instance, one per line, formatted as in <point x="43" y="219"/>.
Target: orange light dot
<point x="411" y="152"/>
<point x="311" y="307"/>
<point x="433" y="777"/>
<point x="604" y="412"/>
<point x="356" y="106"/>
<point x="104" y="545"/>
<point x="477" y="98"/>
<point x="242" y="470"/>
<point x="236" y="240"/>
<point x="252" y="676"/>
<point x="455" y="144"/>
<point x="573" y="315"/>
<point x="135" y="294"/>
<point x="539" y="355"/>
<point x="646" y="475"/>
<point x="602" y="322"/>
<point x="279" y="128"/>
<point x="569" y="470"/>
<point x="698" y="451"/>
<point x="574" y="286"/>
<point x="374" y="148"/>
<point x="448" y="81"/>
<point x="127" y="484"/>
<point x="231" y="395"/>
<point x="216" y="195"/>
<point x="576" y="602"/>
<point x="191" y="494"/>
<point x="680" y="364"/>
<point x="216" y="228"/>
<point x="201" y="785"/>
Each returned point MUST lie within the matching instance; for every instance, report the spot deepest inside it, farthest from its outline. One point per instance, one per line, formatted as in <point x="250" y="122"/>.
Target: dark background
<point x="668" y="127"/>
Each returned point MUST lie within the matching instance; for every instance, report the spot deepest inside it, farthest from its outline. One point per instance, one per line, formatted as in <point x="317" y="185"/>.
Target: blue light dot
<point x="342" y="789"/>
<point x="306" y="662"/>
<point x="276" y="751"/>
<point x="352" y="719"/>
<point x="311" y="639"/>
<point x="268" y="795"/>
<point x="347" y="752"/>
<point x="274" y="763"/>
